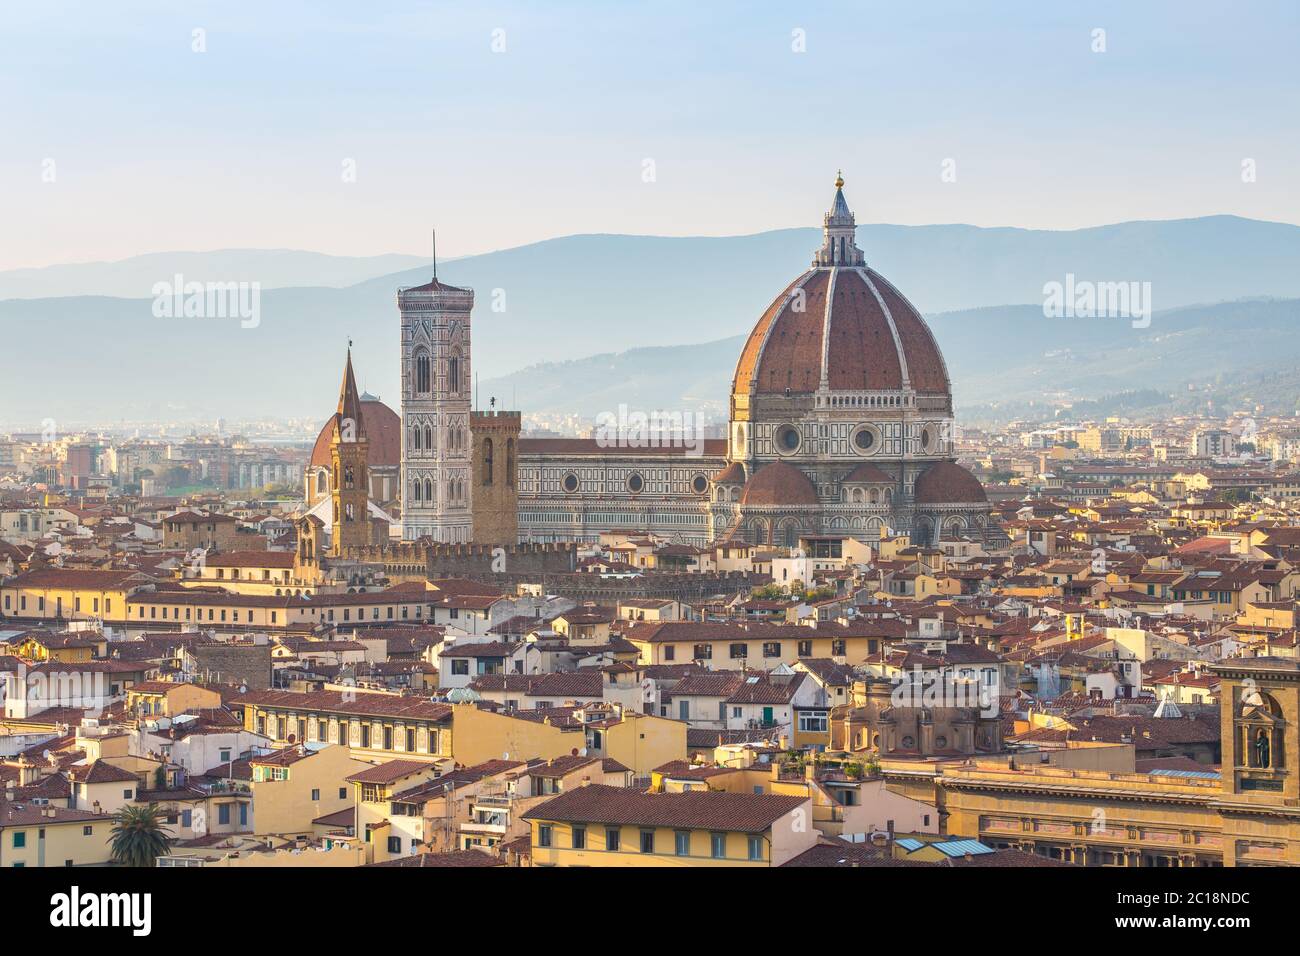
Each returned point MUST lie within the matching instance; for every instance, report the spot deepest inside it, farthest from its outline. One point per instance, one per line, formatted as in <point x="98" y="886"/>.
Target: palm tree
<point x="138" y="836"/>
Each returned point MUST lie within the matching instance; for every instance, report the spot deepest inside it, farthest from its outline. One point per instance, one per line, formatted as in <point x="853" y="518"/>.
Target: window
<point x="422" y="373"/>
<point x="343" y="793"/>
<point x="669" y="652"/>
<point x="813" y="721"/>
<point x="315" y="795"/>
<point x="682" y="839"/>
<point x="223" y="813"/>
<point x="613" y="839"/>
<point x="88" y="830"/>
<point x="805" y="648"/>
<point x="771" y="648"/>
<point x="737" y="651"/>
<point x="544" y="834"/>
<point x="647" y="841"/>
<point x="394" y="844"/>
<point x="703" y="652"/>
<point x="410" y="739"/>
<point x="718" y="844"/>
<point x="755" y="848"/>
<point x="579" y="838"/>
<point x="838" y="647"/>
<point x="460" y="666"/>
<point x="20" y="839"/>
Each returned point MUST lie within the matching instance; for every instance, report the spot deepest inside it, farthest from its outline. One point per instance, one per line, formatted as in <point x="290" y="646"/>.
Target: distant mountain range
<point x="574" y="323"/>
<point x="134" y="278"/>
<point x="1003" y="361"/>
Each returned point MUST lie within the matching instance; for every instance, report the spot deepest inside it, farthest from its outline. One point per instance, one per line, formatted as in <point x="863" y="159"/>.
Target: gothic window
<point x="415" y="490"/>
<point x="422" y="373"/>
<point x="487" y="461"/>
<point x="349" y="477"/>
<point x="320" y="483"/>
<point x="348" y="513"/>
<point x="428" y="437"/>
<point x="453" y="374"/>
<point x="415" y="437"/>
<point x="428" y="490"/>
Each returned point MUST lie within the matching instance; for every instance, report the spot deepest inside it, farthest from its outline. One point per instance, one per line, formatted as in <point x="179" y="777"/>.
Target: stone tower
<point x="495" y="476"/>
<point x="348" y="456"/>
<point x="437" y="488"/>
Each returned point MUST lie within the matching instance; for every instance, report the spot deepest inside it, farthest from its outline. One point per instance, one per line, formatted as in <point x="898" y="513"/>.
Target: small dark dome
<point x="946" y="483"/>
<point x="733" y="474"/>
<point x="867" y="474"/>
<point x="779" y="484"/>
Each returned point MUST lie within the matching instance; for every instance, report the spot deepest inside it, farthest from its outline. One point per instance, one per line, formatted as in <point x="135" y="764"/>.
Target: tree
<point x="138" y="836"/>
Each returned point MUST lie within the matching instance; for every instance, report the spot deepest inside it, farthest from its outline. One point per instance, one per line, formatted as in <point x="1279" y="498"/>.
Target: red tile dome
<point x="870" y="338"/>
<point x="946" y="483"/>
<point x="383" y="431"/>
<point x="843" y="324"/>
<point x="779" y="484"/>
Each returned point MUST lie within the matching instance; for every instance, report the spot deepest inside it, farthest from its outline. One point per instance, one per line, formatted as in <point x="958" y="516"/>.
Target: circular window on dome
<point x="788" y="439"/>
<point x="866" y="441"/>
<point x="927" y="439"/>
<point x="570" y="483"/>
<point x="635" y="483"/>
<point x="700" y="483"/>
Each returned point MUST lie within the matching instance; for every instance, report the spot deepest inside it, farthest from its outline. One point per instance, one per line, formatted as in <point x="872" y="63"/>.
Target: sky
<point x="353" y="128"/>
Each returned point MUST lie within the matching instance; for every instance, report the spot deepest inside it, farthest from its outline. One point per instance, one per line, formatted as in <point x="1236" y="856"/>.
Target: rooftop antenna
<point x="435" y="255"/>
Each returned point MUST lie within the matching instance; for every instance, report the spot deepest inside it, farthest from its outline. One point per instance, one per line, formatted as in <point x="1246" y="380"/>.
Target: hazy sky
<point x="153" y="147"/>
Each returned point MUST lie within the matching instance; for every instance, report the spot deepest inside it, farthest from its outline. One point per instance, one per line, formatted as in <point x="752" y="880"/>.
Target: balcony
<point x="492" y="822"/>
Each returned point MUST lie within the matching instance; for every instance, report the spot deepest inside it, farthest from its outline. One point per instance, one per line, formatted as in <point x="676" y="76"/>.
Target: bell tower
<point x="348" y="457"/>
<point x="437" y="450"/>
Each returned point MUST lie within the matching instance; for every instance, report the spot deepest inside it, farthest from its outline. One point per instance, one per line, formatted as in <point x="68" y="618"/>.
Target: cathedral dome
<point x="383" y="431"/>
<point x="843" y="326"/>
<point x="867" y="474"/>
<point x="779" y="484"/>
<point x="733" y="474"/>
<point x="946" y="483"/>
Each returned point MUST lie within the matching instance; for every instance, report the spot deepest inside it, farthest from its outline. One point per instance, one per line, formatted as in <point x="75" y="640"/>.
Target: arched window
<point x="428" y="490"/>
<point x="415" y="491"/>
<point x="422" y="373"/>
<point x="321" y="484"/>
<point x="428" y="437"/>
<point x="487" y="461"/>
<point x="453" y="374"/>
<point x="415" y="437"/>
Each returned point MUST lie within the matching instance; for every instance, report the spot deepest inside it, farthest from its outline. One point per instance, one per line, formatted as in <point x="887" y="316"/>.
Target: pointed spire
<point x="349" y="401"/>
<point x="839" y="246"/>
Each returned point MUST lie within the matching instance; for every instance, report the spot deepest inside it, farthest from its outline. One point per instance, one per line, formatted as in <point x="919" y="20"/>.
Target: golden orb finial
<point x="839" y="179"/>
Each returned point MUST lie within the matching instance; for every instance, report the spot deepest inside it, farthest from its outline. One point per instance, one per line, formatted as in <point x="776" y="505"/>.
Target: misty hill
<point x="98" y="358"/>
<point x="1009" y="357"/>
<point x="133" y="278"/>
